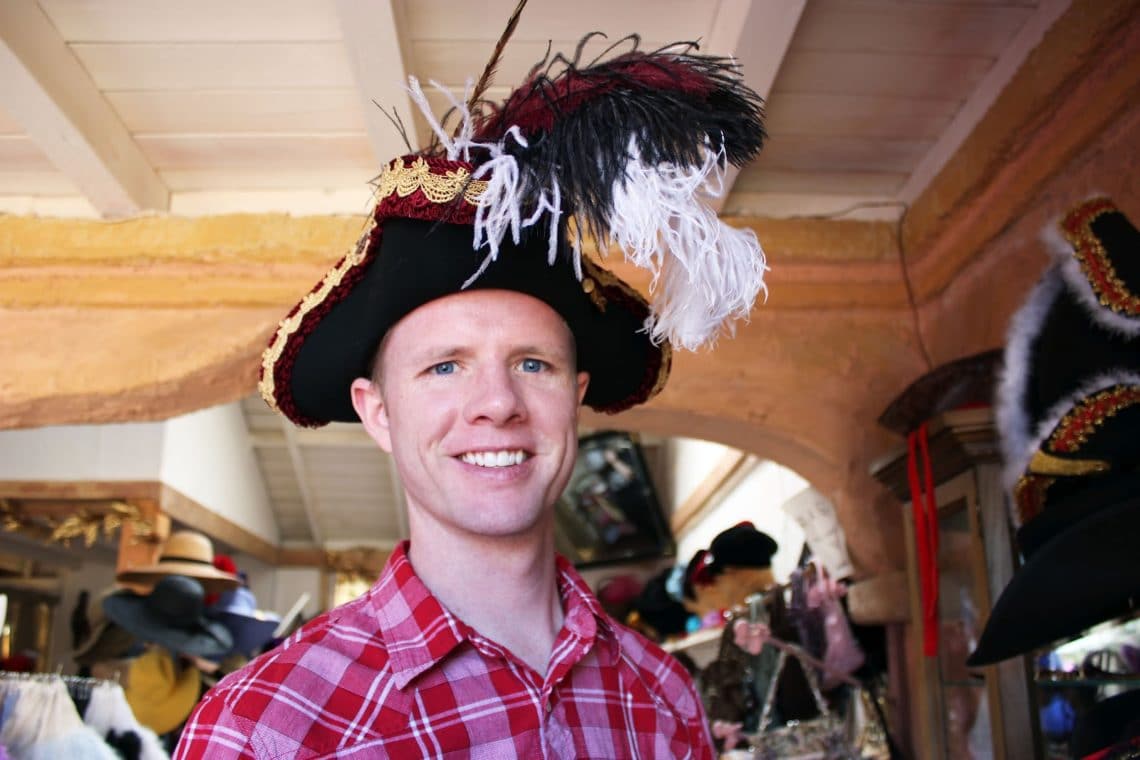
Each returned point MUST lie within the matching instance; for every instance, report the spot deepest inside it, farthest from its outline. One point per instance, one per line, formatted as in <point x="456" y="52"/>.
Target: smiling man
<point x="464" y="333"/>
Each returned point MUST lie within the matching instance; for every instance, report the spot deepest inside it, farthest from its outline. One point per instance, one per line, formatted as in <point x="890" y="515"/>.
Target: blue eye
<point x="533" y="365"/>
<point x="443" y="368"/>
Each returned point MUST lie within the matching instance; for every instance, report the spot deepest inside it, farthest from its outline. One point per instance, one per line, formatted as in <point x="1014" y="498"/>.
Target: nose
<point x="495" y="397"/>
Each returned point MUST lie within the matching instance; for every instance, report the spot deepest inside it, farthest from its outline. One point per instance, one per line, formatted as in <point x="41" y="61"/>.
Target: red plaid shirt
<point x="394" y="674"/>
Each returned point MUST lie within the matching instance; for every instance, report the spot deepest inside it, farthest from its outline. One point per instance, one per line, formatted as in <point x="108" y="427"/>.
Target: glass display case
<point x="959" y="712"/>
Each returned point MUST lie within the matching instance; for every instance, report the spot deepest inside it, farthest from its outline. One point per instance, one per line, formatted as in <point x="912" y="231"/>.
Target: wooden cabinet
<point x="958" y="712"/>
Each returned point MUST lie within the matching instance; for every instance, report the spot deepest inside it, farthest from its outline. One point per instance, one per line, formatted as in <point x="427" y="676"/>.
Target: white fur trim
<point x="706" y="274"/>
<point x="1078" y="284"/>
<point x="1010" y="410"/>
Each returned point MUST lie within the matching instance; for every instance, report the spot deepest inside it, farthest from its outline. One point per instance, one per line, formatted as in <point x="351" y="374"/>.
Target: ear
<point x="368" y="402"/>
<point x="583" y="383"/>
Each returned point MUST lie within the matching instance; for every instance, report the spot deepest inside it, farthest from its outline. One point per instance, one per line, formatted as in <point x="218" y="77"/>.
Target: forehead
<point x="478" y="316"/>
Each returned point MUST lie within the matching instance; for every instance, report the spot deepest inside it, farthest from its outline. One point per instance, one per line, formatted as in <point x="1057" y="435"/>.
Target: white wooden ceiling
<point x="119" y="107"/>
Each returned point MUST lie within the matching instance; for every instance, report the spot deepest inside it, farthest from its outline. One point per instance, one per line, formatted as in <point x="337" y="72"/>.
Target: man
<point x="466" y="351"/>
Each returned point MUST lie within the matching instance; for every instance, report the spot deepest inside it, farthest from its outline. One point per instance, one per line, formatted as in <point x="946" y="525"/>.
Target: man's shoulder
<point x="647" y="656"/>
<point x="305" y="694"/>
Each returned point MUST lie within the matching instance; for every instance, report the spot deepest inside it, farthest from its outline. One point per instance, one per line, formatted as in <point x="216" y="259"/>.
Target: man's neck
<point x="506" y="589"/>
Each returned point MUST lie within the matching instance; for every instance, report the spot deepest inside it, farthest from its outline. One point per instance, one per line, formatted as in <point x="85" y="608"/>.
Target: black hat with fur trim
<point x="1068" y="413"/>
<point x="629" y="146"/>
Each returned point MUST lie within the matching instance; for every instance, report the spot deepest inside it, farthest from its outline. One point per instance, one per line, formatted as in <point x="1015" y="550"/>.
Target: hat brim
<point x="1081" y="577"/>
<point x="213" y="581"/>
<point x="207" y="639"/>
<point x="249" y="633"/>
<point x="418" y="261"/>
<point x="107" y="641"/>
<point x="164" y="715"/>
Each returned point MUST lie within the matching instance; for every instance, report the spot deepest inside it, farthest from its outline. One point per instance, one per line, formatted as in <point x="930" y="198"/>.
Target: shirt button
<point x="549" y="707"/>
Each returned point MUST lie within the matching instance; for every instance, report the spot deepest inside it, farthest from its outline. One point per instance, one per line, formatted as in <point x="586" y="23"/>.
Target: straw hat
<point x="187" y="553"/>
<point x="160" y="700"/>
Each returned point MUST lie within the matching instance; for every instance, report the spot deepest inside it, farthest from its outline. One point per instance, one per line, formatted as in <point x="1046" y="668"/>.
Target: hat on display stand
<point x="172" y="615"/>
<point x="1068" y="415"/>
<point x="186" y="553"/>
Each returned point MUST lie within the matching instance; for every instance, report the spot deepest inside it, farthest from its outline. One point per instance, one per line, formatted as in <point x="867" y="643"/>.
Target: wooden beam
<point x="197" y="517"/>
<point x="727" y="473"/>
<point x="373" y="41"/>
<point x="45" y="88"/>
<point x="300" y="472"/>
<point x="271" y="260"/>
<point x="1069" y="89"/>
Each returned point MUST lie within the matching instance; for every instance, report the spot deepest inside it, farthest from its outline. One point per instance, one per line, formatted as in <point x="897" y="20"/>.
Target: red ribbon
<point x="926" y="535"/>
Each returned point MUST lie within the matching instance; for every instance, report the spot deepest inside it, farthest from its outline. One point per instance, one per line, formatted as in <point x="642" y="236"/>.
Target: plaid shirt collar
<point x="418" y="641"/>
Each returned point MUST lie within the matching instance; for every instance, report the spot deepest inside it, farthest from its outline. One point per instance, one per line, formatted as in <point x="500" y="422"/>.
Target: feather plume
<point x="632" y="144"/>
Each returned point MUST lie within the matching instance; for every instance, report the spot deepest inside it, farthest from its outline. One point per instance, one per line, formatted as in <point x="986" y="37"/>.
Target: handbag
<point x="821" y="738"/>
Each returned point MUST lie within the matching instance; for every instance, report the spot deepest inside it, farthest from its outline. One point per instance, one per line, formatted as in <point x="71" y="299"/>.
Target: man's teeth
<point x="494" y="458"/>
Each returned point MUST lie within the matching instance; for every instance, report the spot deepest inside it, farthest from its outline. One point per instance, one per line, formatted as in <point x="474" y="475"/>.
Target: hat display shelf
<point x="958" y="560"/>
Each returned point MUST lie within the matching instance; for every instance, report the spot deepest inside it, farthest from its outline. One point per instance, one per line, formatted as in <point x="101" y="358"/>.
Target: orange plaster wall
<point x="971" y="315"/>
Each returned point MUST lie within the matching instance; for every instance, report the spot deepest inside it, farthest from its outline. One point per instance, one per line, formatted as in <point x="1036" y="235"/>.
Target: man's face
<point x="478" y="403"/>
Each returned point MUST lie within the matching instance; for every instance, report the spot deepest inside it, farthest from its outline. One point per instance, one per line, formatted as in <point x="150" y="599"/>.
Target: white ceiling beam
<point x="375" y="52"/>
<point x="758" y="34"/>
<point x="982" y="98"/>
<point x="45" y="89"/>
<point x="308" y="498"/>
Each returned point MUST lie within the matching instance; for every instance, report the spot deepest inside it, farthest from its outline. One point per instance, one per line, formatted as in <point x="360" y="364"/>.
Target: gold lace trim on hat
<point x="1074" y="429"/>
<point x="1090" y="253"/>
<point x="405" y="179"/>
<point x="289" y="325"/>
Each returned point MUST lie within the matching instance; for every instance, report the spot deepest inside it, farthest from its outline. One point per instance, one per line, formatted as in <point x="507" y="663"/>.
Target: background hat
<point x="657" y="609"/>
<point x="106" y="639"/>
<point x="160" y="699"/>
<point x="629" y="145"/>
<point x="251" y="628"/>
<point x="187" y="553"/>
<point x="742" y="545"/>
<point x="173" y="615"/>
<point x="1110" y="722"/>
<point x="1068" y="414"/>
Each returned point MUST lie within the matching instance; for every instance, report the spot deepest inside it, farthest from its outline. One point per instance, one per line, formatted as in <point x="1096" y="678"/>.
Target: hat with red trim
<point x="625" y="149"/>
<point x="1068" y="415"/>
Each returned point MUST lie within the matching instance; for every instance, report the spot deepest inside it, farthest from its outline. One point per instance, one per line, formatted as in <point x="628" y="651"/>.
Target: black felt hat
<point x="1068" y="413"/>
<point x="742" y="545"/>
<point x="657" y="608"/>
<point x="628" y="146"/>
<point x="173" y="615"/>
<point x="1112" y="723"/>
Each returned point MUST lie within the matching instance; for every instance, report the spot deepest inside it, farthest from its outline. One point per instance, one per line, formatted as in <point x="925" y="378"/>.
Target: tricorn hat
<point x="628" y="147"/>
<point x="188" y="553"/>
<point x="1068" y="414"/>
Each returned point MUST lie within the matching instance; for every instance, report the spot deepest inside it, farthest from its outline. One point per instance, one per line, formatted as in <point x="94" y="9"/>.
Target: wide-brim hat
<point x="172" y="615"/>
<point x="187" y="553"/>
<point x="1068" y="413"/>
<point x="1112" y="723"/>
<point x="251" y="628"/>
<point x="629" y="147"/>
<point x="160" y="699"/>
